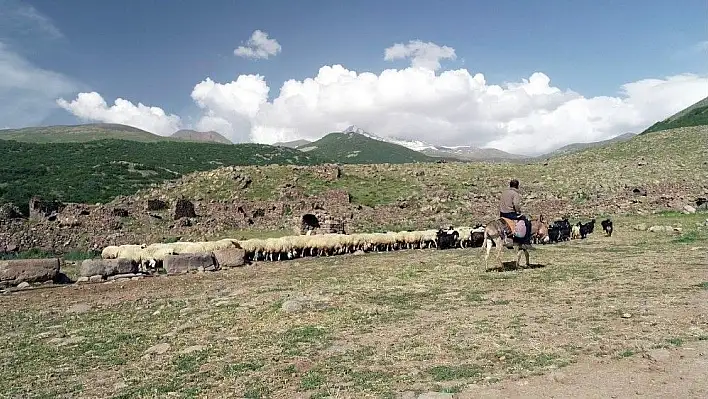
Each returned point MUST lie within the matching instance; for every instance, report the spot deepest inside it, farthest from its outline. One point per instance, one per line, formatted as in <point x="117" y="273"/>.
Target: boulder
<point x="664" y="229"/>
<point x="230" y="257"/>
<point x="183" y="263"/>
<point x="689" y="209"/>
<point x="28" y="270"/>
<point x="107" y="267"/>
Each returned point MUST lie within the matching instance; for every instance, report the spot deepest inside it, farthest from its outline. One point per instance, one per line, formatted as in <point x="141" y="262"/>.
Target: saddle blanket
<point x="516" y="227"/>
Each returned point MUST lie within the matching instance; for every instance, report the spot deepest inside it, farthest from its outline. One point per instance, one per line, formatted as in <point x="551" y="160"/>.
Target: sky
<point x="524" y="77"/>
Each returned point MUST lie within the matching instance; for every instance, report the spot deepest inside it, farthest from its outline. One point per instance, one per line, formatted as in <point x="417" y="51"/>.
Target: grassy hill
<point x="79" y="133"/>
<point x="193" y="135"/>
<point x="354" y="148"/>
<point x="98" y="171"/>
<point x="695" y="115"/>
<point x="593" y="181"/>
<point x="575" y="147"/>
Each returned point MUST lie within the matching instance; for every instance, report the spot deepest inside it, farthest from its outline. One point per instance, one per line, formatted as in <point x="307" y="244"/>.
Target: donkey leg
<point x="500" y="245"/>
<point x="488" y="247"/>
<point x="526" y="253"/>
<point x="518" y="256"/>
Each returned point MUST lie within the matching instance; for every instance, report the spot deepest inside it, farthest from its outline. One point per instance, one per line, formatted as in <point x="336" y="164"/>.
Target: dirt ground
<point x="658" y="373"/>
<point x="601" y="317"/>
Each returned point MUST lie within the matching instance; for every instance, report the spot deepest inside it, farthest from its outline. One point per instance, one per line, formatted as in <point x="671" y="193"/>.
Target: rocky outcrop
<point x="9" y="212"/>
<point x="177" y="264"/>
<point x="13" y="272"/>
<point x="232" y="257"/>
<point x="107" y="267"/>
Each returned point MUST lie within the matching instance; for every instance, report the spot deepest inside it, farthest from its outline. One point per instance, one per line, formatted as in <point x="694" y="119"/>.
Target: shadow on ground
<point x="511" y="266"/>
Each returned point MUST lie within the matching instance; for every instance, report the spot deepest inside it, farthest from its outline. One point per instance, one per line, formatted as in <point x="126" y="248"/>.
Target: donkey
<point x="495" y="231"/>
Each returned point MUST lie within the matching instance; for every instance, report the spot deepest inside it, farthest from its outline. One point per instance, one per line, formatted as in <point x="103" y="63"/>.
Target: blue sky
<point x="154" y="52"/>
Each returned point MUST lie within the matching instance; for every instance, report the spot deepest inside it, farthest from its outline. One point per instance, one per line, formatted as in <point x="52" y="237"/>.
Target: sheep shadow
<point x="511" y="266"/>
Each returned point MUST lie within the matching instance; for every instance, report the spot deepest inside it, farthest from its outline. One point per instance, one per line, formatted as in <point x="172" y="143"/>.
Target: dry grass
<point x="371" y="326"/>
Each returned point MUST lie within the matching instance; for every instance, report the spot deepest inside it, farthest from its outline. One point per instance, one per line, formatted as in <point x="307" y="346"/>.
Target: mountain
<point x="293" y="144"/>
<point x="695" y="115"/>
<point x="98" y="171"/>
<point x="193" y="135"/>
<point x="458" y="153"/>
<point x="470" y="153"/>
<point x="79" y="133"/>
<point x="354" y="145"/>
<point x="575" y="147"/>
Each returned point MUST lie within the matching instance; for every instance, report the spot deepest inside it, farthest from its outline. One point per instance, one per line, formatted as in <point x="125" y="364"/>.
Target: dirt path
<point x="661" y="373"/>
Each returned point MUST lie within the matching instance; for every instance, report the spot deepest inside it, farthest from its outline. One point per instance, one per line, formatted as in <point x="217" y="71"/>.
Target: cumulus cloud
<point x="231" y="107"/>
<point x="27" y="92"/>
<point x="259" y="46"/>
<point x="452" y="107"/>
<point x="422" y="55"/>
<point x="92" y="107"/>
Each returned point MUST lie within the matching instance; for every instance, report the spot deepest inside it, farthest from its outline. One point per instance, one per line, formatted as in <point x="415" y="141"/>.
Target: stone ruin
<point x="10" y="211"/>
<point x="40" y="209"/>
<point x="156" y="205"/>
<point x="319" y="223"/>
<point x="328" y="172"/>
<point x="184" y="209"/>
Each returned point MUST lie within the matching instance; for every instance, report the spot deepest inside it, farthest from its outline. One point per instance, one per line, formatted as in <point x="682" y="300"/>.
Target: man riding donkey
<point x="512" y="229"/>
<point x="510" y="208"/>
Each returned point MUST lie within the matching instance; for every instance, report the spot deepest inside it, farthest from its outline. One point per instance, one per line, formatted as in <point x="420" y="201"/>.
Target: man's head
<point x="514" y="183"/>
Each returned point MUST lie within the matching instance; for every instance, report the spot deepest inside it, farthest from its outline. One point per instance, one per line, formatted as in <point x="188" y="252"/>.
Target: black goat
<point x="554" y="233"/>
<point x="607" y="227"/>
<point x="584" y="230"/>
<point x="591" y="226"/>
<point x="477" y="239"/>
<point x="563" y="227"/>
<point x="446" y="239"/>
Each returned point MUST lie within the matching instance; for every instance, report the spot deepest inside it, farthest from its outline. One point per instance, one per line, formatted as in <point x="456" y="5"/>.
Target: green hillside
<point x="575" y="147"/>
<point x="79" y="133"/>
<point x="98" y="171"/>
<point x="354" y="148"/>
<point x="695" y="115"/>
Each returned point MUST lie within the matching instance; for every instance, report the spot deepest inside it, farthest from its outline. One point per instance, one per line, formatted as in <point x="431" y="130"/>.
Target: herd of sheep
<point x="150" y="257"/>
<point x="290" y="247"/>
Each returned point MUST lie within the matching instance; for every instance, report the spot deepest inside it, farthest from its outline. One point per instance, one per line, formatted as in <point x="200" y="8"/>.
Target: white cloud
<point x="18" y="19"/>
<point x="259" y="46"/>
<point x="453" y="107"/>
<point x="27" y="92"/>
<point x="229" y="108"/>
<point x="92" y="107"/>
<point x="422" y="55"/>
<point x="701" y="47"/>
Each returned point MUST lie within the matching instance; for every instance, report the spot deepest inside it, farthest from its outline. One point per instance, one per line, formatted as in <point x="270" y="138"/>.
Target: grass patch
<point x="627" y="353"/>
<point x="312" y="380"/>
<point x="451" y="373"/>
<point x="688" y="237"/>
<point x="239" y="369"/>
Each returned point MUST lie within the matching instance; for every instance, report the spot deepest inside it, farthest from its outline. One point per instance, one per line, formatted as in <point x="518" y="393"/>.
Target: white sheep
<point x="465" y="236"/>
<point x="110" y="252"/>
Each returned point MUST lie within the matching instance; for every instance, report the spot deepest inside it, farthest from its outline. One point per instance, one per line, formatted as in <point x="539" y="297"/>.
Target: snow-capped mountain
<point x="461" y="152"/>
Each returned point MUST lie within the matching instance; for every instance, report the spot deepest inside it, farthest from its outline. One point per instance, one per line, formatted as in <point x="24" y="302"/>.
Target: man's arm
<point x="516" y="201"/>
